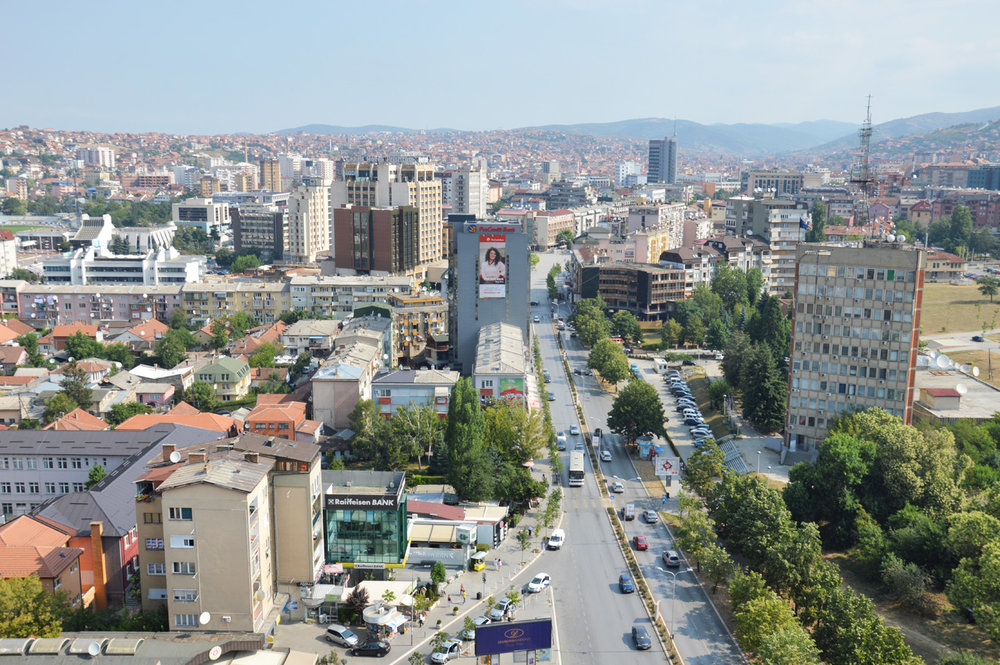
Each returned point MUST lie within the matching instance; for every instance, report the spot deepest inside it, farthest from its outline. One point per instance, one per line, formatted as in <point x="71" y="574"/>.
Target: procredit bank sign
<point x="341" y="502"/>
<point x="482" y="228"/>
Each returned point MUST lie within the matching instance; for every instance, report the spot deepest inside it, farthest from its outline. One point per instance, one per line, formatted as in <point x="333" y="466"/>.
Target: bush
<point x="438" y="573"/>
<point x="907" y="581"/>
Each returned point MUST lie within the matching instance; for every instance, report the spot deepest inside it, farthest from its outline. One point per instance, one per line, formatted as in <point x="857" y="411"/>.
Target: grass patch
<point x="716" y="420"/>
<point x="977" y="358"/>
<point x="952" y="308"/>
<point x="17" y="228"/>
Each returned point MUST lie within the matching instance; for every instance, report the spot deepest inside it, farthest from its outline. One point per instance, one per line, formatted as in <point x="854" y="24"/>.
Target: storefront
<point x="365" y="519"/>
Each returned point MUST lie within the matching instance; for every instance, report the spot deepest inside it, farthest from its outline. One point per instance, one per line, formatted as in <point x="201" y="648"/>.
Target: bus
<point x="576" y="471"/>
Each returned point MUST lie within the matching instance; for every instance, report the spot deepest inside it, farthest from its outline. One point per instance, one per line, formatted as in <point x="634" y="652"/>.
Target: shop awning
<point x="433" y="533"/>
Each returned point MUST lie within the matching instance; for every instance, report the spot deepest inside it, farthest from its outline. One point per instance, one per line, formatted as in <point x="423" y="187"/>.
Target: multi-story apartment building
<point x="270" y="175"/>
<point x="92" y="265"/>
<point x="647" y="291"/>
<point x="983" y="205"/>
<point x="782" y="224"/>
<point x="377" y="239"/>
<point x="388" y="184"/>
<point x="417" y="316"/>
<point x="342" y="380"/>
<point x="548" y="224"/>
<point x="854" y="337"/>
<point x="58" y="304"/>
<point x="222" y="531"/>
<point x="407" y="387"/>
<point x="669" y="216"/>
<point x="343" y="294"/>
<point x="229" y="376"/>
<point x="202" y="213"/>
<point x="662" y="160"/>
<point x="470" y="186"/>
<point x="308" y="223"/>
<point x="776" y="182"/>
<point x="262" y="227"/>
<point x="95" y="155"/>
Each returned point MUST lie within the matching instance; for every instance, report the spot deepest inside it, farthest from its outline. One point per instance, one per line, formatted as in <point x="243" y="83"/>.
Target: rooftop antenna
<point x="864" y="179"/>
<point x="675" y="125"/>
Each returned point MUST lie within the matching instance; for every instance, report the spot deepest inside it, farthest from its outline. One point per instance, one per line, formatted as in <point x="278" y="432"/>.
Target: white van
<point x="660" y="365"/>
<point x="628" y="512"/>
<point x="556" y="540"/>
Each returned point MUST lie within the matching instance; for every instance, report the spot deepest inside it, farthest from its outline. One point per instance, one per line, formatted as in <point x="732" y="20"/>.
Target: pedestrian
<point x="531" y="530"/>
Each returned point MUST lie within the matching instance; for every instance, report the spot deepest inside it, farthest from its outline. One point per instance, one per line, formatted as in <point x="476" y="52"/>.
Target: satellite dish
<point x="975" y="371"/>
<point x="175" y="457"/>
<point x="932" y="354"/>
<point x="891" y="238"/>
<point x="961" y="388"/>
<point x="215" y="652"/>
<point x="901" y="238"/>
<point x="94" y="649"/>
<point x="204" y="618"/>
<point x="965" y="369"/>
<point x="941" y="362"/>
<point x="923" y="361"/>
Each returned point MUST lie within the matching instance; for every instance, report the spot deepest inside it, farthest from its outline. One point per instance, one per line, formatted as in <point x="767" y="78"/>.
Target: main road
<point x="594" y="619"/>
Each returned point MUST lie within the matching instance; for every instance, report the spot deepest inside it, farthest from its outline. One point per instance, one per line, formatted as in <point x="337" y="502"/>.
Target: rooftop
<point x="500" y="350"/>
<point x="978" y="401"/>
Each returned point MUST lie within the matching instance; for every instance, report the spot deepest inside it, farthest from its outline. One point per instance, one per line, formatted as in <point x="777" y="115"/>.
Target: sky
<point x="215" y="66"/>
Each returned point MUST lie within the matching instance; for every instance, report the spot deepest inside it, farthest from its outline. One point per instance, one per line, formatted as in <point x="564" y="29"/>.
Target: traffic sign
<point x="667" y="467"/>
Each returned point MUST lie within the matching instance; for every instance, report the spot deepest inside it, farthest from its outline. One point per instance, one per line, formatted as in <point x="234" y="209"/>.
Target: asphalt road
<point x="594" y="620"/>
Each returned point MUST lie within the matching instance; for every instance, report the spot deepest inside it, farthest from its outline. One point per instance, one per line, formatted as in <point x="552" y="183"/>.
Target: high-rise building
<point x="389" y="185"/>
<point x="487" y="282"/>
<point x="854" y="336"/>
<point x="627" y="170"/>
<point x="308" y="223"/>
<point x="203" y="213"/>
<point x="381" y="239"/>
<point x="270" y="175"/>
<point x="470" y="187"/>
<point x="97" y="156"/>
<point x="262" y="227"/>
<point x="781" y="223"/>
<point x="662" y="160"/>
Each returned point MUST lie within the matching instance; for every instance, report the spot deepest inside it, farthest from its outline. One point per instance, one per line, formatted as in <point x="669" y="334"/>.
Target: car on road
<point x="977" y="338"/>
<point x="578" y="446"/>
<point x="552" y="397"/>
<point x="719" y="356"/>
<point x="537" y="319"/>
<point x="671" y="559"/>
<point x="605" y="455"/>
<point x="572" y="333"/>
<point x="574" y="430"/>
<point x="556" y="540"/>
<point x="547" y="376"/>
<point x="650" y="516"/>
<point x="598" y="432"/>
<point x="471" y="634"/>
<point x="625" y="584"/>
<point x="449" y="649"/>
<point x="560" y="442"/>
<point x="534" y="303"/>
<point x="539" y="582"/>
<point x="640" y="638"/>
<point x="618" y="487"/>
<point x="578" y="372"/>
<point x="501" y="610"/>
<point x="640" y="543"/>
<point x="341" y="635"/>
<point x="375" y="648"/>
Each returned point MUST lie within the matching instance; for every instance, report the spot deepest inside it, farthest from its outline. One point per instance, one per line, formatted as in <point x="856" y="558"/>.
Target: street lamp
<point x="758" y="462"/>
<point x="673" y="594"/>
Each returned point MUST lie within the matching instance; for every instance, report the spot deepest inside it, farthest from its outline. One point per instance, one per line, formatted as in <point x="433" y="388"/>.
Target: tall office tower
<point x="551" y="172"/>
<point x="291" y="168"/>
<point x="487" y="282"/>
<point x="388" y="185"/>
<point x="270" y="175"/>
<point x="854" y="336"/>
<point x="308" y="223"/>
<point x="470" y="187"/>
<point x="663" y="160"/>
<point x="382" y="239"/>
<point x="209" y="185"/>
<point x="262" y="227"/>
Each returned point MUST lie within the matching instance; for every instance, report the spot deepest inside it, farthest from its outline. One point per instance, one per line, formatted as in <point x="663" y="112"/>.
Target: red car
<point x="640" y="543"/>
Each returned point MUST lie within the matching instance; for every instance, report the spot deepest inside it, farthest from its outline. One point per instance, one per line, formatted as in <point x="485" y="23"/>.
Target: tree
<point x="25" y="274"/>
<point x="717" y="392"/>
<point x="523" y="541"/>
<point x="730" y="284"/>
<point x="468" y="470"/>
<point x="120" y="353"/>
<point x="438" y="573"/>
<point x="121" y="412"/>
<point x="671" y="333"/>
<point x="764" y="391"/>
<point x="241" y="322"/>
<point x="609" y="359"/>
<point x="850" y="633"/>
<point x="80" y="346"/>
<point x="74" y="385"/>
<point x="302" y="364"/>
<point x="637" y="411"/>
<point x="515" y="434"/>
<point x="119" y="245"/>
<point x="755" y="285"/>
<point x="988" y="285"/>
<point x="694" y="331"/>
<point x="789" y="644"/>
<point x="423" y="427"/>
<point x="263" y="356"/>
<point x="200" y="395"/>
<point x="178" y="319"/>
<point x="243" y="263"/>
<point x="818" y="214"/>
<point x="358" y="599"/>
<point x="170" y="350"/>
<point x="591" y="327"/>
<point x="28" y="610"/>
<point x="704" y="467"/>
<point x="625" y="325"/>
<point x="97" y="473"/>
<point x="970" y="532"/>
<point x="566" y="236"/>
<point x="759" y="617"/>
<point x="976" y="585"/>
<point x="29" y="342"/>
<point x="59" y="405"/>
<point x="220" y="334"/>
<point x="14" y="206"/>
<point x="368" y="427"/>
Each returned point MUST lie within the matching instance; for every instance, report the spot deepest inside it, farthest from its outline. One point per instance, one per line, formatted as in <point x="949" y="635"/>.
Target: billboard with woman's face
<point x="492" y="266"/>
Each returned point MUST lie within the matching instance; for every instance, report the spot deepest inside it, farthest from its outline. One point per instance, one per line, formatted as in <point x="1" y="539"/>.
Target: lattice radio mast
<point x="864" y="179"/>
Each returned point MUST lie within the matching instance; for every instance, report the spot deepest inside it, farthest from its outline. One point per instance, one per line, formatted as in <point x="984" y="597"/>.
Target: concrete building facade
<point x="662" y="166"/>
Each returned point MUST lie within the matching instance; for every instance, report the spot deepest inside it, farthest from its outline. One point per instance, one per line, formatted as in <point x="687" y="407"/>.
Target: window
<point x="5" y="489"/>
<point x="50" y="488"/>
<point x="61" y="463"/>
<point x="17" y="463"/>
<point x="4" y="462"/>
<point x="152" y="518"/>
<point x="7" y="508"/>
<point x="156" y="569"/>
<point x="32" y="463"/>
<point x="180" y="513"/>
<point x="186" y="595"/>
<point x="182" y="541"/>
<point x="64" y="488"/>
<point x="183" y="568"/>
<point x="79" y="487"/>
<point x="154" y="543"/>
<point x="77" y="463"/>
<point x="186" y="620"/>
<point x="56" y="583"/>
<point x="33" y="488"/>
<point x="18" y="488"/>
<point x="157" y="594"/>
<point x="48" y="463"/>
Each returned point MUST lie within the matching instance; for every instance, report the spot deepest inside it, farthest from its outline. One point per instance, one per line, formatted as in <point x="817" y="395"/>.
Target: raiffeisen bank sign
<point x="361" y="502"/>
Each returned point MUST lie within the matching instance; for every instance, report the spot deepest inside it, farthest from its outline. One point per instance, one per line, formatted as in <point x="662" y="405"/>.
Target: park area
<point x="956" y="308"/>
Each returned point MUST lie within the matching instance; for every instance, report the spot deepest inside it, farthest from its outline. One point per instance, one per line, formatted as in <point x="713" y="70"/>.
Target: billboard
<point x="512" y="390"/>
<point x="492" y="265"/>
<point x="496" y="638"/>
<point x="667" y="467"/>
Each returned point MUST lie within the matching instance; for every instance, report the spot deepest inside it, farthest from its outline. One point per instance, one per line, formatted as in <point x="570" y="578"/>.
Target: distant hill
<point x="339" y="129"/>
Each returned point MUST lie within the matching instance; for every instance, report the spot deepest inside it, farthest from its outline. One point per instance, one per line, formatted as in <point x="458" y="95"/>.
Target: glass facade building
<point x="365" y="519"/>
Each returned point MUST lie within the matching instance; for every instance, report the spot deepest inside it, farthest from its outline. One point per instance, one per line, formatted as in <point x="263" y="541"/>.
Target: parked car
<point x="719" y="356"/>
<point x="449" y="649"/>
<point x="640" y="638"/>
<point x="552" y="397"/>
<point x="341" y="635"/>
<point x="537" y="319"/>
<point x="693" y="421"/>
<point x="977" y="338"/>
<point x="700" y="432"/>
<point x="605" y="455"/>
<point x="375" y="648"/>
<point x="625" y="584"/>
<point x="534" y="303"/>
<point x="640" y="543"/>
<point x="650" y="516"/>
<point x="501" y="610"/>
<point x="598" y="432"/>
<point x="539" y="582"/>
<point x="671" y="559"/>
<point x="471" y="634"/>
<point x="688" y="363"/>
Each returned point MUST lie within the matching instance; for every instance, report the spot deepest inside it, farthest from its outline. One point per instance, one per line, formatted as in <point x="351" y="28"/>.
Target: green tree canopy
<point x="59" y="405"/>
<point x="609" y="359"/>
<point x="468" y="470"/>
<point x="28" y="610"/>
<point x="200" y="395"/>
<point x="74" y="385"/>
<point x="637" y="411"/>
<point x="671" y="333"/>
<point x="121" y="412"/>
<point x="625" y="325"/>
<point x="988" y="285"/>
<point x="170" y="349"/>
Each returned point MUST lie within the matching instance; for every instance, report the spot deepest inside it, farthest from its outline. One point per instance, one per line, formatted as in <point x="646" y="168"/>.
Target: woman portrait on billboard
<point x="493" y="269"/>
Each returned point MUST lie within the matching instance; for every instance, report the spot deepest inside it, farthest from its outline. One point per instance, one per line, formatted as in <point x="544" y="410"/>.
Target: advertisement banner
<point x="492" y="265"/>
<point x="667" y="467"/>
<point x="512" y="390"/>
<point x="494" y="638"/>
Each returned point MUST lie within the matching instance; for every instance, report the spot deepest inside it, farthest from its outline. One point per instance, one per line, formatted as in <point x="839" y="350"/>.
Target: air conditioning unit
<point x="829" y="394"/>
<point x="881" y="380"/>
<point x="826" y="337"/>
<point x="227" y="619"/>
<point x="835" y="355"/>
<point x="822" y="374"/>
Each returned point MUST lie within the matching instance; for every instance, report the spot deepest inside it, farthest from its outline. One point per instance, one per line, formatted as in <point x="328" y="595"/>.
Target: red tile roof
<point x="70" y="329"/>
<point x="78" y="420"/>
<point x="435" y="509"/>
<point x="209" y="421"/>
<point x="18" y="326"/>
<point x="941" y="392"/>
<point x="46" y="562"/>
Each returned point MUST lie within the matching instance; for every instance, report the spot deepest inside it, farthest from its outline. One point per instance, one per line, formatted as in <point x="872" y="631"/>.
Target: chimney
<point x="197" y="457"/>
<point x="250" y="456"/>
<point x="97" y="562"/>
<point x="168" y="449"/>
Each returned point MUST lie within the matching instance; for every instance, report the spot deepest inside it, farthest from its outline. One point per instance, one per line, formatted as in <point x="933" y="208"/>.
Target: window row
<point x="878" y="333"/>
<point x="869" y="313"/>
<point x="33" y="488"/>
<point x="863" y="371"/>
<point x="856" y="292"/>
<point x="831" y="388"/>
<point x="857" y="272"/>
<point x="19" y="463"/>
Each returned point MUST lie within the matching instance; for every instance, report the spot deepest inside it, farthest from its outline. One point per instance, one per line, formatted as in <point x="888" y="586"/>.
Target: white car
<point x="471" y="634"/>
<point x="536" y="319"/>
<point x="605" y="455"/>
<point x="556" y="540"/>
<point x="539" y="582"/>
<point x="574" y="430"/>
<point x="449" y="649"/>
<point x="618" y="487"/>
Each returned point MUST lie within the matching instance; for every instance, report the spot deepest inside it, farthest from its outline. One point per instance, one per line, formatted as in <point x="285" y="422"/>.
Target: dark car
<point x="977" y="338"/>
<point x="625" y="584"/>
<point x="534" y="303"/>
<point x="689" y="363"/>
<point x="640" y="638"/>
<point x="375" y="649"/>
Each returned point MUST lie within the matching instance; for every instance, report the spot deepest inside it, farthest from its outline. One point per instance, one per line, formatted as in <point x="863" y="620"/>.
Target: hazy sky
<point x="215" y="66"/>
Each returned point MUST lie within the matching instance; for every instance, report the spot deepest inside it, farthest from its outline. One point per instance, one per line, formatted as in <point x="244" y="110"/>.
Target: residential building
<point x="9" y="290"/>
<point x="942" y="266"/>
<point x="501" y="365"/>
<point x="274" y="416"/>
<point x="662" y="166"/>
<point x="985" y="177"/>
<point x="481" y="292"/>
<point x="202" y="213"/>
<point x="262" y="227"/>
<point x="548" y="224"/>
<point x="308" y="223"/>
<point x="415" y="388"/>
<point x="57" y="304"/>
<point x="155" y="394"/>
<point x="647" y="291"/>
<point x="8" y="252"/>
<point x="470" y="190"/>
<point x="94" y="266"/>
<point x="143" y="336"/>
<point x="377" y="239"/>
<point x="143" y="239"/>
<point x="229" y="376"/>
<point x="312" y="336"/>
<point x="778" y="183"/>
<point x="77" y="420"/>
<point x="96" y="155"/>
<point x="416" y="315"/>
<point x="344" y="378"/>
<point x="854" y="337"/>
<point x="563" y="194"/>
<point x="627" y="174"/>
<point x="782" y="223"/>
<point x="666" y="216"/>
<point x="38" y="549"/>
<point x="342" y="294"/>
<point x="180" y="377"/>
<point x="270" y="175"/>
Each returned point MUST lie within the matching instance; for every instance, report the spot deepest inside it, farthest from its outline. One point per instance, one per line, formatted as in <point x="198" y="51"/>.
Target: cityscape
<point x="536" y="374"/>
